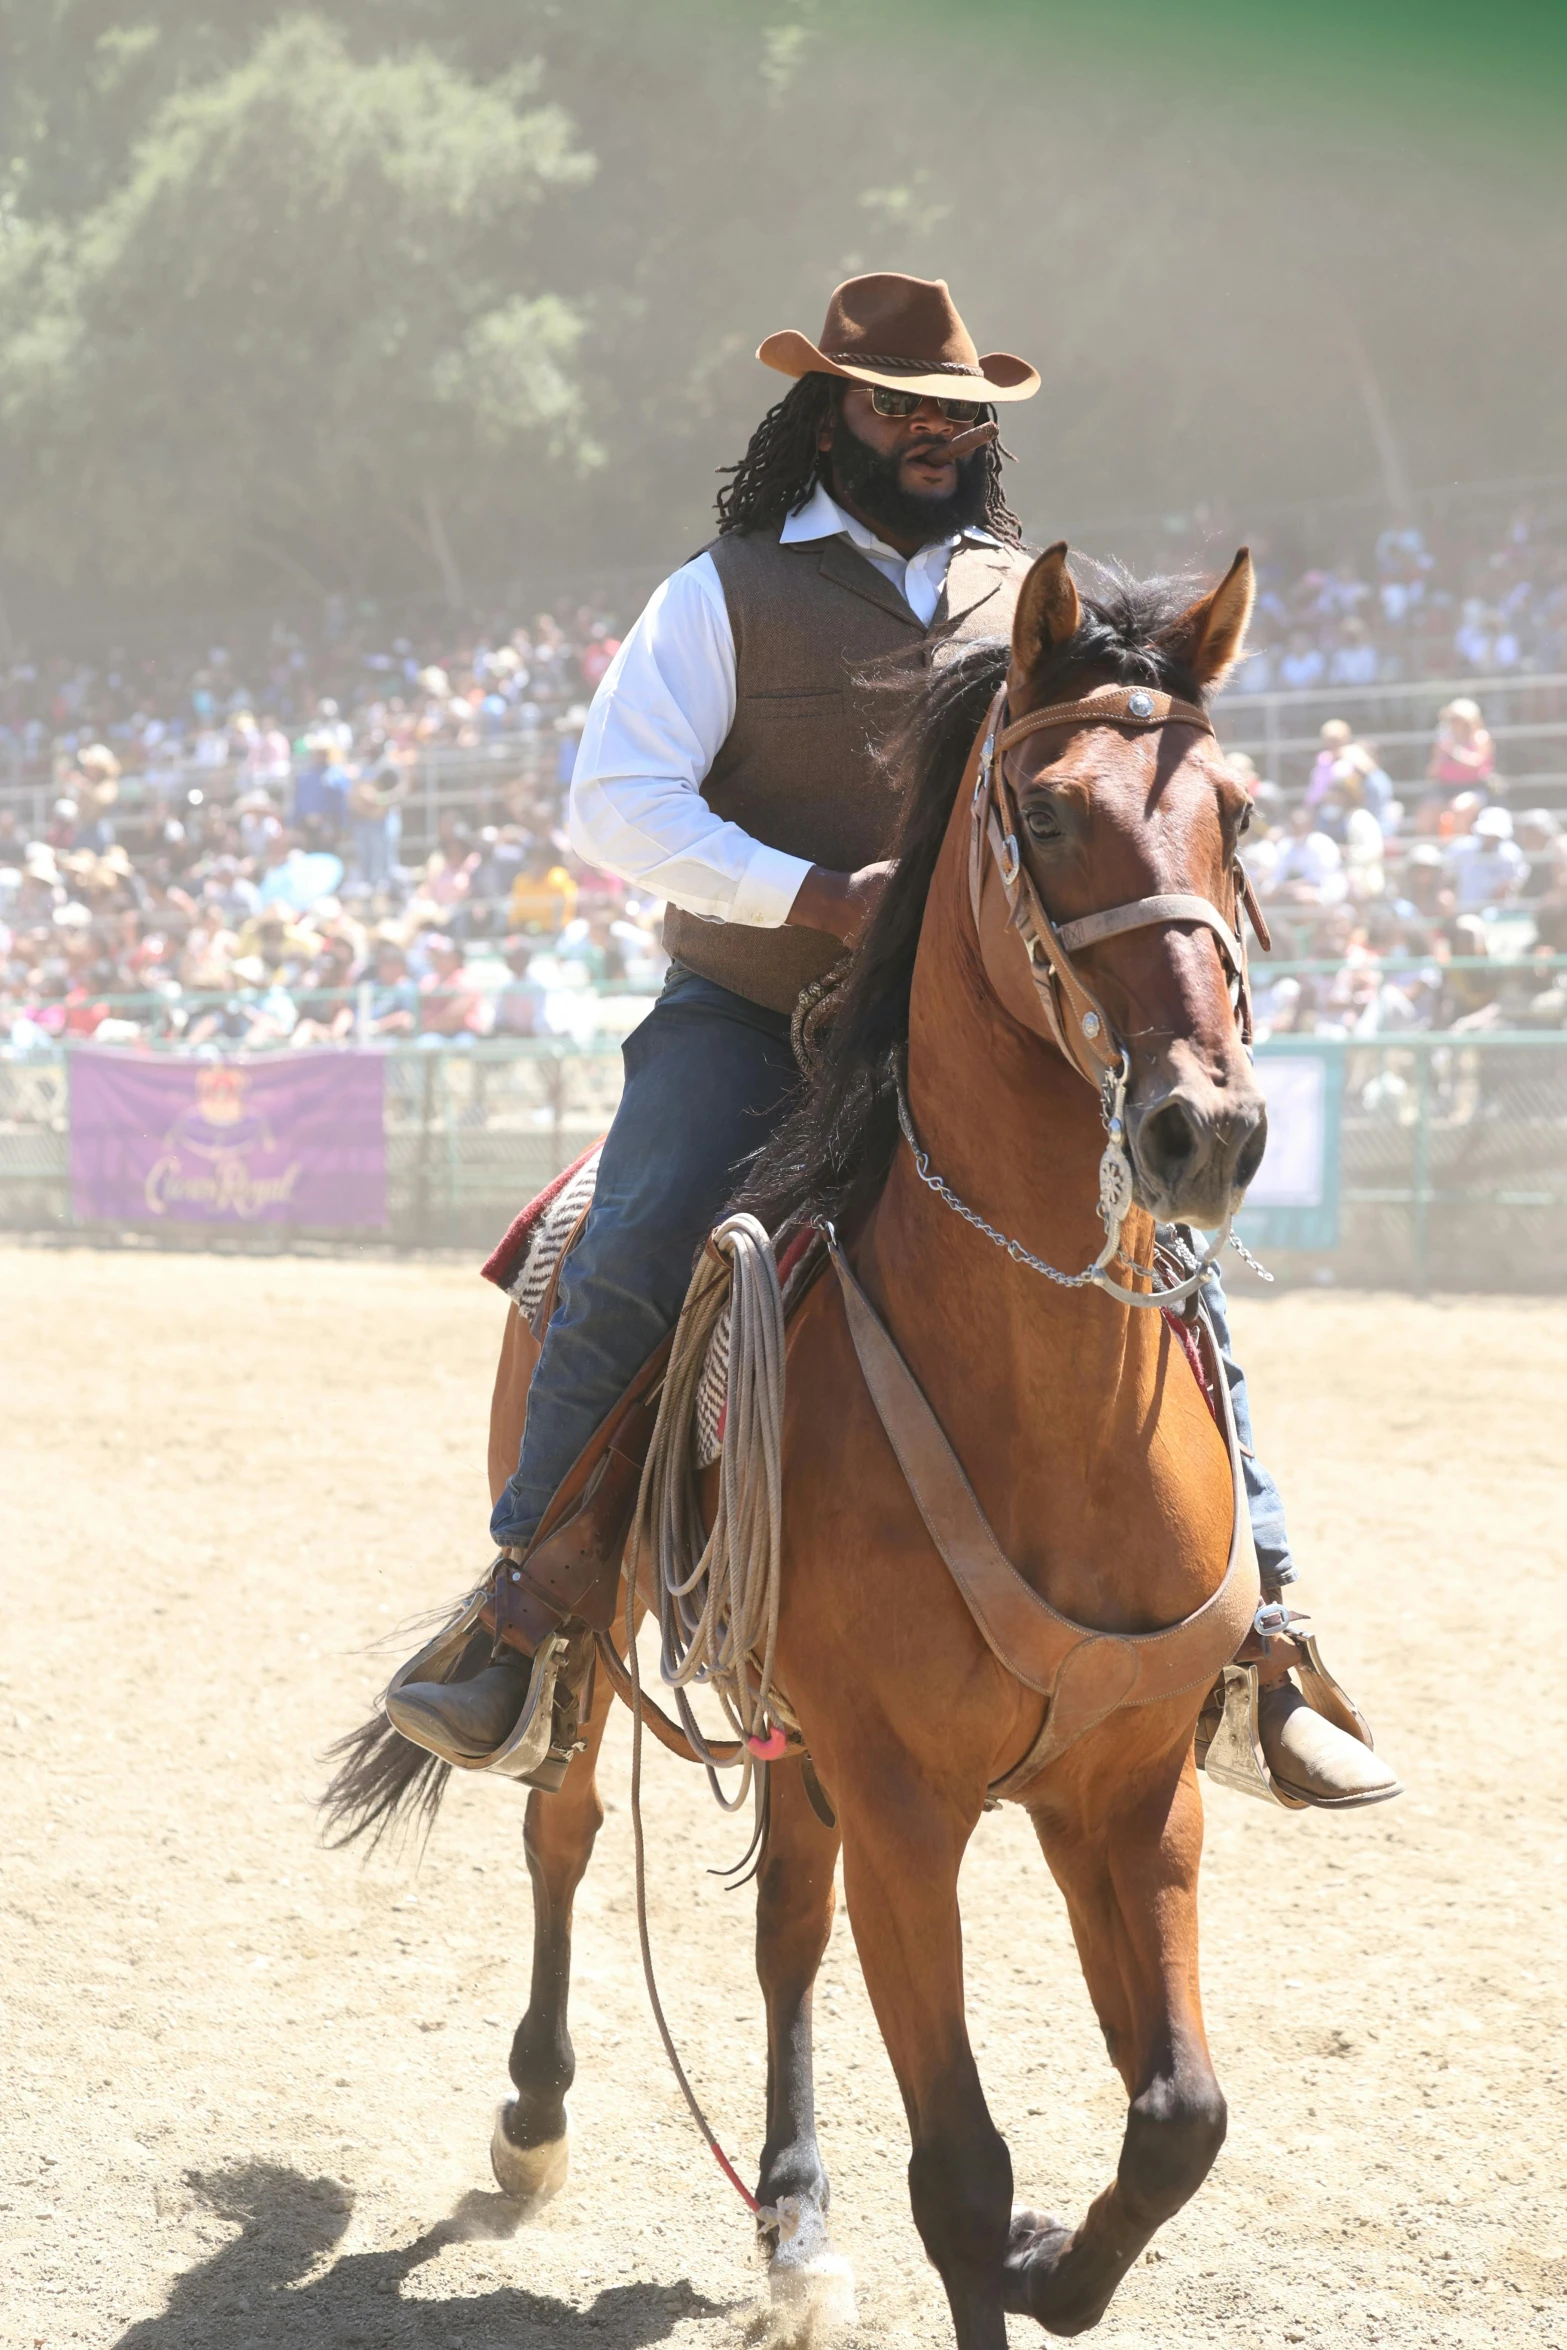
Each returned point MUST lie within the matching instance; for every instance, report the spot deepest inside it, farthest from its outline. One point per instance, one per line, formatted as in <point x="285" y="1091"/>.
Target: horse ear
<point x="1048" y="612"/>
<point x="1209" y="636"/>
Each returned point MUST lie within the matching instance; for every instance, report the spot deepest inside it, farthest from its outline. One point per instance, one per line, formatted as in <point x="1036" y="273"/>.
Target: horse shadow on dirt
<point x="251" y="2295"/>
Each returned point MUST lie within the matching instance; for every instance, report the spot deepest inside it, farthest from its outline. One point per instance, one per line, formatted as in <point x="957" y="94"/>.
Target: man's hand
<point x="840" y="903"/>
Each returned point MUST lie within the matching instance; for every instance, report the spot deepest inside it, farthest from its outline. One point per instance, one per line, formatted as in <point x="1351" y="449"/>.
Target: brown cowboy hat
<point x="903" y="332"/>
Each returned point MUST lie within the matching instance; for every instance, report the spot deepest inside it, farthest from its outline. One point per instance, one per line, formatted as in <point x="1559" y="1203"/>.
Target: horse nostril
<point x="1169" y="1143"/>
<point x="1250" y="1158"/>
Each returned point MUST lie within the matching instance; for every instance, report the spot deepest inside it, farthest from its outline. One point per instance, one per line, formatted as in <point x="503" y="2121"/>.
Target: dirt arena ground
<point x="248" y="2083"/>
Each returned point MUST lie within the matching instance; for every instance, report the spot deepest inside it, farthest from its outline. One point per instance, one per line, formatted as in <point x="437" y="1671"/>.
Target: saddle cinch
<point x="559" y="1605"/>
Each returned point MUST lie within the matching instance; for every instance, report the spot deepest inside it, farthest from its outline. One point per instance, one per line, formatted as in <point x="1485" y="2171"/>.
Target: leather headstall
<point x="1041" y="985"/>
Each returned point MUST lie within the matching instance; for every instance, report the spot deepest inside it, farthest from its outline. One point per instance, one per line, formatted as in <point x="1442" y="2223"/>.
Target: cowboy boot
<point x="1312" y="1759"/>
<point x="540" y="1608"/>
<point x="465" y="1720"/>
<point x="1278" y="1725"/>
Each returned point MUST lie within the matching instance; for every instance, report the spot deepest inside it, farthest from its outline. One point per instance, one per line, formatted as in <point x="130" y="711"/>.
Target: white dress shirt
<point x="660" y="717"/>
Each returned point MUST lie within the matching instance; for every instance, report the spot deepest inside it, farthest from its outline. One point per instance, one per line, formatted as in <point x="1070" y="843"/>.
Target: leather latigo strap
<point x="1085" y="1674"/>
<point x="572" y="1568"/>
<point x="725" y="1752"/>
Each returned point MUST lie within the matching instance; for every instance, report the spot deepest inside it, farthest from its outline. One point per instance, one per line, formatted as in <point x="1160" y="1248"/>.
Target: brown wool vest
<point x="796" y="769"/>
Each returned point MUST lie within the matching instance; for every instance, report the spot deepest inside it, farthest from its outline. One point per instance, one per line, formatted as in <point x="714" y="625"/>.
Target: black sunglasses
<point x="887" y="402"/>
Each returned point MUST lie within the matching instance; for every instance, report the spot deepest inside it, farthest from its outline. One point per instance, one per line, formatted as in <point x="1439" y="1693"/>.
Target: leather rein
<point x="1028" y="959"/>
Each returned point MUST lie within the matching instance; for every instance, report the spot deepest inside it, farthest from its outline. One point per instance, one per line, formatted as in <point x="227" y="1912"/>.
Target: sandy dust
<point x="249" y="2083"/>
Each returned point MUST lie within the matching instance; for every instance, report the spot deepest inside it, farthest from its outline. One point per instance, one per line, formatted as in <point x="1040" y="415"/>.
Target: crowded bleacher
<point x="322" y="842"/>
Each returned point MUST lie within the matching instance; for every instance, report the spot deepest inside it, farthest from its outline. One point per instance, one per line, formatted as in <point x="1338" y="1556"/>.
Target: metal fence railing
<point x="1440" y="1161"/>
<point x="1447" y="1169"/>
<point x="1525" y="713"/>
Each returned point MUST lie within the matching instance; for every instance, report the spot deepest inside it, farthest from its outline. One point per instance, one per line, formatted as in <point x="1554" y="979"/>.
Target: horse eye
<point x="1041" y="822"/>
<point x="1244" y="826"/>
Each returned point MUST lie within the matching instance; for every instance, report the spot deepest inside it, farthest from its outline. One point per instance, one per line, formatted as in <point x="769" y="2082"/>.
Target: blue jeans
<point x="1263" y="1497"/>
<point x="708" y="1076"/>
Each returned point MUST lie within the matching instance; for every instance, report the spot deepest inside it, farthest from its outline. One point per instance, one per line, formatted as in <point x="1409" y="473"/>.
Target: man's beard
<point x="871" y="481"/>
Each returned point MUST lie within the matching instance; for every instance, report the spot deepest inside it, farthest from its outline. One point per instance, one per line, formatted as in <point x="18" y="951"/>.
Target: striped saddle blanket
<point x="527" y="1260"/>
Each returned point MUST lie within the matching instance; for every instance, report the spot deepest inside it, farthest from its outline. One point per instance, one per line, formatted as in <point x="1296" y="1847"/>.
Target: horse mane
<point x="830" y="1157"/>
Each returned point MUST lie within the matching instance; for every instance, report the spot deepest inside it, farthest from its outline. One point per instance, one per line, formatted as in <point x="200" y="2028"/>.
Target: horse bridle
<point x="1056" y="1001"/>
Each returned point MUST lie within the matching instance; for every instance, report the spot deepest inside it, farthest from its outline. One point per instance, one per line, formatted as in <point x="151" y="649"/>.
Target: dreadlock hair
<point x="782" y="465"/>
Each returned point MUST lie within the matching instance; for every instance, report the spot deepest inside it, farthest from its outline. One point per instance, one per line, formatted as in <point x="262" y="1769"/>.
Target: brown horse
<point x="1082" y="1432"/>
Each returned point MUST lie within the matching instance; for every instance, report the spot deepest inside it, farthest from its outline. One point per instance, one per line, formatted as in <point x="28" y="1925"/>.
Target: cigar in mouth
<point x="975" y="438"/>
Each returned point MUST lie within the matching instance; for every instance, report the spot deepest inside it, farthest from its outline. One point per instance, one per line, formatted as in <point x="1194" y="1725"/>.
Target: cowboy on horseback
<point x="730" y="763"/>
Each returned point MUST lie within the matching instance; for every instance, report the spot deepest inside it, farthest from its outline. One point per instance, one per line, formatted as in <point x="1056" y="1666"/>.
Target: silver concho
<point x="1139" y="704"/>
<point x="1115" y="1184"/>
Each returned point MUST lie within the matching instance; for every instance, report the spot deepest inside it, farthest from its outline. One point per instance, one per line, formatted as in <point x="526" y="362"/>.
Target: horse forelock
<point x="1129" y="634"/>
<point x="831" y="1154"/>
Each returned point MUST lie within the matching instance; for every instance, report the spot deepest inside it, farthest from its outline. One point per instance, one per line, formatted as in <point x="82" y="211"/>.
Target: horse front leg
<point x="903" y="1846"/>
<point x="529" y="2148"/>
<point x="794" y="1913"/>
<point x="1131" y="1889"/>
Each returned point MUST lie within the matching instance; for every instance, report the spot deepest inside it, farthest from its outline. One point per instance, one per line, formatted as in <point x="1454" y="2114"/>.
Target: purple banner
<point x="300" y="1140"/>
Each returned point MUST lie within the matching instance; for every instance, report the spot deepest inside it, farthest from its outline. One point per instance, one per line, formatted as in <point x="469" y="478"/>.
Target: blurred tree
<point x="1252" y="252"/>
<point x="302" y="332"/>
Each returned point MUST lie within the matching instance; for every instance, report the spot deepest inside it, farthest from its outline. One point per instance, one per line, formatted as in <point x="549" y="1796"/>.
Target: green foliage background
<point x="398" y="298"/>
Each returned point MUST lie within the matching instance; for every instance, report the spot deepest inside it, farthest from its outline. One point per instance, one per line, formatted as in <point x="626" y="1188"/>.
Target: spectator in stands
<point x="394" y="997"/>
<point x="259" y="824"/>
<point x="1310" y="869"/>
<point x="520" y="1007"/>
<point x="374" y="803"/>
<point x="333" y="729"/>
<point x="321" y="791"/>
<point x="501" y="853"/>
<point x="542" y="901"/>
<point x="1354" y="658"/>
<point x="96" y="787"/>
<point x="450" y="1007"/>
<point x="267" y="764"/>
<point x="1469" y="988"/>
<point x="276" y="945"/>
<point x="1335" y="737"/>
<point x="596" y="657"/>
<point x="1538" y="833"/>
<point x="1463" y="756"/>
<point x="441" y="892"/>
<point x="1486" y="865"/>
<point x="1473" y="640"/>
<point x="1363" y="851"/>
<point x="326" y="1009"/>
<point x="1283" y="1008"/>
<point x="1301" y="665"/>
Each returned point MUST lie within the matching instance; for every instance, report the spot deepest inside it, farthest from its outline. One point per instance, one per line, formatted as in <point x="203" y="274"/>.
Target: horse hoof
<point x="811" y="2285"/>
<point x="1036" y="2243"/>
<point x="530" y="2175"/>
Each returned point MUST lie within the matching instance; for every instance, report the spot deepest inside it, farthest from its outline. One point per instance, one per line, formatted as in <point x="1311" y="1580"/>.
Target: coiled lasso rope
<point x="718" y="1593"/>
<point x="718" y="1598"/>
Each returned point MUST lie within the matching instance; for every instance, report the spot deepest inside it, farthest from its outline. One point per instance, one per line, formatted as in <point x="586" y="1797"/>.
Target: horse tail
<point x="383" y="1782"/>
